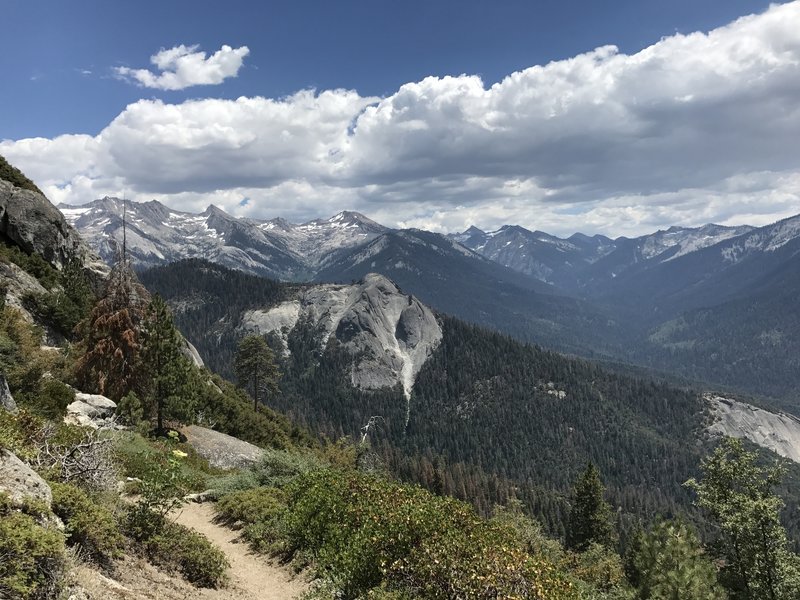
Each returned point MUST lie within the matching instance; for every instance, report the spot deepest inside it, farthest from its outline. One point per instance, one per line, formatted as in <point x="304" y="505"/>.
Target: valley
<point x="680" y="301"/>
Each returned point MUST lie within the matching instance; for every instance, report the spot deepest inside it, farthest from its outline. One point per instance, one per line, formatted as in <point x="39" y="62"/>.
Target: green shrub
<point x="278" y="467"/>
<point x="88" y="524"/>
<point x="190" y="553"/>
<point x="250" y="506"/>
<point x="33" y="559"/>
<point x="363" y="533"/>
<point x="51" y="399"/>
<point x="130" y="410"/>
<point x="144" y="459"/>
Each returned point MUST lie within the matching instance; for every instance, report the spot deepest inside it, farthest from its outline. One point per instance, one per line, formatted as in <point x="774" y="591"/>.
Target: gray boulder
<point x="6" y="399"/>
<point x="91" y="410"/>
<point x="221" y="450"/>
<point x="20" y="482"/>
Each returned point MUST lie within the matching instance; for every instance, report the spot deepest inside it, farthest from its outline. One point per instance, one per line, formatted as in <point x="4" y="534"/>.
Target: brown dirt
<point x="252" y="577"/>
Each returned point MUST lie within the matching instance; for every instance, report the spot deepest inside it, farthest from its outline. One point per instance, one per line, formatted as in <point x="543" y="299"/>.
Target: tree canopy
<point x="255" y="367"/>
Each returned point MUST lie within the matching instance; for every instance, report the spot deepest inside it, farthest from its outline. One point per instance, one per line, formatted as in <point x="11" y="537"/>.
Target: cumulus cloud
<point x="185" y="66"/>
<point x="695" y="128"/>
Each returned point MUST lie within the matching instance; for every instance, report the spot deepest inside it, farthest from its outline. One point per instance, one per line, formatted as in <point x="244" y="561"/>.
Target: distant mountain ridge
<point x="276" y="248"/>
<point x="711" y="303"/>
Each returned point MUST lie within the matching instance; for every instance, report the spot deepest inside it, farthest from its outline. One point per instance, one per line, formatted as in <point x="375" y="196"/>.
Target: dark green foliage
<point x="68" y="298"/>
<point x="364" y="533"/>
<point x="590" y="515"/>
<point x="67" y="304"/>
<point x="32" y="560"/>
<point x="256" y="505"/>
<point x="737" y="493"/>
<point x="89" y="524"/>
<point x="165" y="481"/>
<point x="167" y="387"/>
<point x="49" y="399"/>
<point x="668" y="562"/>
<point x="229" y="410"/>
<point x="129" y="410"/>
<point x="16" y="177"/>
<point x="486" y="419"/>
<point x="206" y="295"/>
<point x="255" y="368"/>
<point x="188" y="552"/>
<point x="33" y="264"/>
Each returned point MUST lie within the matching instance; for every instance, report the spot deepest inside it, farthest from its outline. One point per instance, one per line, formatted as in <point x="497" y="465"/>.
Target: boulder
<point x="6" y="399"/>
<point x="20" y="482"/>
<point x="221" y="450"/>
<point x="91" y="410"/>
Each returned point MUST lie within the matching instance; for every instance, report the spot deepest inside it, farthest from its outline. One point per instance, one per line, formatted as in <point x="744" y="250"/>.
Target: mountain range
<point x="711" y="303"/>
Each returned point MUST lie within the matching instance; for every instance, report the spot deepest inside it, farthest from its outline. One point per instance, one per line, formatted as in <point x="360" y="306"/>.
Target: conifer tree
<point x="590" y="515"/>
<point x="255" y="367"/>
<point x="668" y="563"/>
<point x="166" y="366"/>
<point x="738" y="495"/>
<point x="110" y="335"/>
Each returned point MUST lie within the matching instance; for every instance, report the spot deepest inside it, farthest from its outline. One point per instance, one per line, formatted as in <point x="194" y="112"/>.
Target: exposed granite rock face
<point x="221" y="450"/>
<point x="390" y="332"/>
<point x="190" y="352"/>
<point x="91" y="410"/>
<point x="21" y="482"/>
<point x="6" y="399"/>
<point x="778" y="432"/>
<point x="17" y="284"/>
<point x="30" y="221"/>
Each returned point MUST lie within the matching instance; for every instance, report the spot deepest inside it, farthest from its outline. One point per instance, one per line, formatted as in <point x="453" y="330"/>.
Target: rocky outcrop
<point x="779" y="432"/>
<point x="91" y="410"/>
<point x="20" y="482"/>
<point x="190" y="352"/>
<point x="30" y="221"/>
<point x="390" y="333"/>
<point x="221" y="450"/>
<point x="17" y="284"/>
<point x="6" y="399"/>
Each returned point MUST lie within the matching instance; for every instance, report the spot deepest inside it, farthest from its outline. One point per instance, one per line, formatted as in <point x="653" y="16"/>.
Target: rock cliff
<point x="390" y="334"/>
<point x="778" y="432"/>
<point x="30" y="221"/>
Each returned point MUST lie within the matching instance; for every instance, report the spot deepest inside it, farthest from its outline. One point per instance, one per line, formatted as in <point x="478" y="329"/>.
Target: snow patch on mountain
<point x="157" y="234"/>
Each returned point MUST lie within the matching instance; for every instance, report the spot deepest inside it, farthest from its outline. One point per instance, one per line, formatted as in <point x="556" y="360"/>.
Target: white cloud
<point x="695" y="128"/>
<point x="185" y="66"/>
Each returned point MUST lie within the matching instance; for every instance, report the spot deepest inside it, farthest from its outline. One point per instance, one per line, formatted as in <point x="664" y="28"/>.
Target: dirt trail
<point x="252" y="577"/>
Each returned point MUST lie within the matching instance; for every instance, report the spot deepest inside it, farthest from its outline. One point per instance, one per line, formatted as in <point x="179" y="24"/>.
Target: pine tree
<point x="110" y="335"/>
<point x="255" y="367"/>
<point x="590" y="516"/>
<point x="738" y="495"/>
<point x="168" y="369"/>
<point x="668" y="563"/>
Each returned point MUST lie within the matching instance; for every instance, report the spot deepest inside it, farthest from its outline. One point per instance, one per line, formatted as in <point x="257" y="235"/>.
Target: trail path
<point x="253" y="577"/>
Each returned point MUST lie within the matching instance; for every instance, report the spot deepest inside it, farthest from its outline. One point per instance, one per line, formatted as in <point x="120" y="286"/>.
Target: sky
<point x="619" y="117"/>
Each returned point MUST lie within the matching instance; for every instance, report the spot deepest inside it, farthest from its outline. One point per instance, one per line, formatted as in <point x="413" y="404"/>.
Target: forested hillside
<point x="489" y="417"/>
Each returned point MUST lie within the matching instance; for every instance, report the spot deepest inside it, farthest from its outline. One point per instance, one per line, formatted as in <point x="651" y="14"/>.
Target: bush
<point x="276" y="469"/>
<point x="51" y="399"/>
<point x="190" y="553"/>
<point x="250" y="506"/>
<point x="366" y="533"/>
<point x="88" y="524"/>
<point x="33" y="560"/>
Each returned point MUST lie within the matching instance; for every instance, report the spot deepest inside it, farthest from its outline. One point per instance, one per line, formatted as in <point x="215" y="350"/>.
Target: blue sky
<point x="394" y="137"/>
